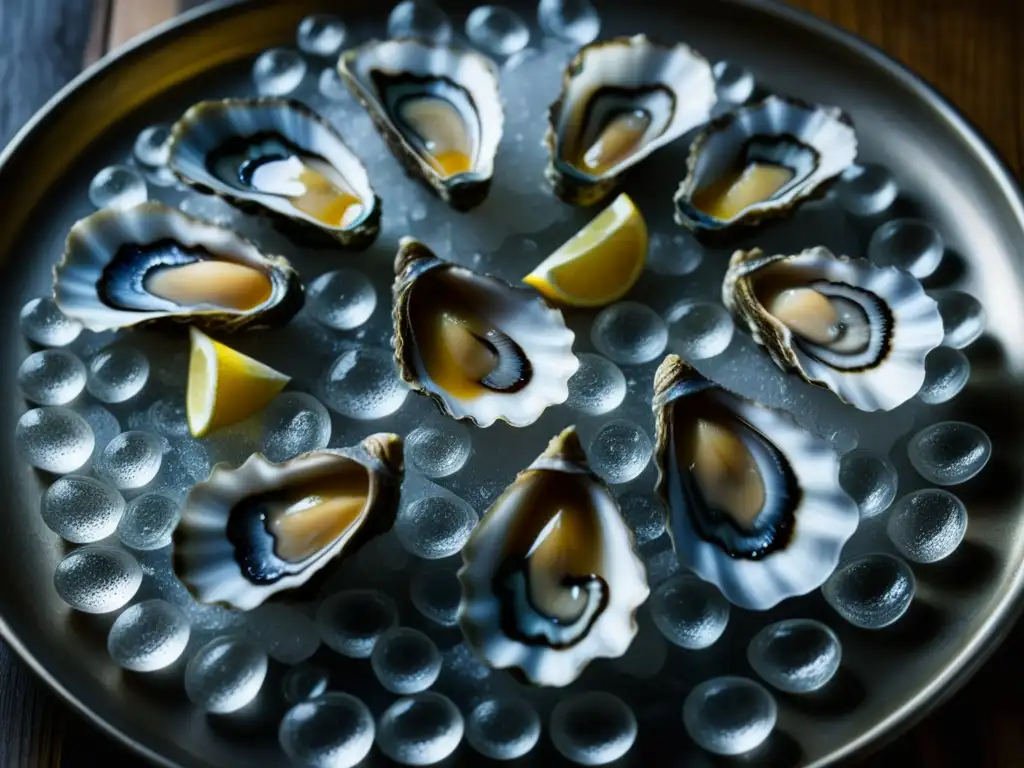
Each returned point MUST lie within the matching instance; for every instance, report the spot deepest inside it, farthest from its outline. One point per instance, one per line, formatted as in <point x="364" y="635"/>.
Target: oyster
<point x="437" y="108"/>
<point x="861" y="330"/>
<point x="754" y="501"/>
<point x="278" y="157"/>
<point x="550" y="580"/>
<point x="483" y="349"/>
<point x="124" y="267"/>
<point x="621" y="100"/>
<point x="762" y="161"/>
<point x="247" y="533"/>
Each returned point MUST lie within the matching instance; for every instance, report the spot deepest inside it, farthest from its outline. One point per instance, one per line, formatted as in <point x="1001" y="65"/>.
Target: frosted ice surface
<point x="294" y="423"/>
<point x="363" y="384"/>
<point x="97" y="579"/>
<point x="80" y="509"/>
<point x="321" y="34"/>
<point x="225" y="674"/>
<point x="645" y="514"/>
<point x="629" y="333"/>
<point x="870" y="480"/>
<point x="699" y="329"/>
<point x="117" y="373"/>
<point x="689" y="611"/>
<point x="435" y="526"/>
<point x="928" y="525"/>
<point x="963" y="318"/>
<point x="419" y="18"/>
<point x="342" y="299"/>
<point x="405" y="661"/>
<point x="334" y="730"/>
<point x="278" y="71"/>
<point x="421" y="729"/>
<point x="866" y="190"/>
<point x="673" y="255"/>
<point x="148" y="636"/>
<point x="620" y="451"/>
<point x="438" y="448"/>
<point x="946" y="372"/>
<point x="597" y="387"/>
<point x="117" y="186"/>
<point x="593" y="728"/>
<point x="574" y="21"/>
<point x="351" y="622"/>
<point x="284" y="632"/>
<point x="795" y="655"/>
<point x="44" y="324"/>
<point x="51" y="377"/>
<point x="503" y="728"/>
<point x="435" y="592"/>
<point x="149" y="521"/>
<point x="54" y="439"/>
<point x="950" y="452"/>
<point x="872" y="591"/>
<point x="729" y="715"/>
<point x="909" y="244"/>
<point x="303" y="682"/>
<point x="131" y="460"/>
<point x="497" y="30"/>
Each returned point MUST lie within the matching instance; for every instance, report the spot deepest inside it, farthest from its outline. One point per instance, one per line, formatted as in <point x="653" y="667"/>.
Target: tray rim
<point x="1000" y="620"/>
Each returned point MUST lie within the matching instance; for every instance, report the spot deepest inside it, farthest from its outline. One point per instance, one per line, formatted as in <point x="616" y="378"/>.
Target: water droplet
<point x="866" y="190"/>
<point x="278" y="71"/>
<point x="497" y="30"/>
<point x="51" y="377"/>
<point x="689" y="612"/>
<point x="729" y="715"/>
<point x="225" y="675"/>
<point x="734" y="83"/>
<point x="117" y="374"/>
<point x="148" y="636"/>
<point x="674" y="256"/>
<point x="699" y="329"/>
<point x="294" y="423"/>
<point x="284" y="632"/>
<point x="304" y="682"/>
<point x="330" y="84"/>
<point x="629" y="333"/>
<point x="946" y="372"/>
<point x="405" y="661"/>
<point x="352" y="621"/>
<point x="796" y="655"/>
<point x="131" y="460"/>
<point x="909" y="244"/>
<point x="597" y="387"/>
<point x="419" y="18"/>
<point x="321" y="34"/>
<point x="435" y="526"/>
<point x="645" y="515"/>
<point x="343" y="299"/>
<point x="436" y="592"/>
<point x="80" y="509"/>
<point x="149" y="521"/>
<point x="153" y="145"/>
<point x="117" y="186"/>
<point x="97" y="579"/>
<point x="870" y="480"/>
<point x="438" y="450"/>
<point x="44" y="324"/>
<point x="620" y="451"/>
<point x="421" y="729"/>
<point x="574" y="21"/>
<point x="928" y="525"/>
<point x="54" y="439"/>
<point x="593" y="728"/>
<point x="503" y="728"/>
<point x="334" y="730"/>
<point x="950" y="452"/>
<point x="871" y="592"/>
<point x="963" y="318"/>
<point x="363" y="384"/>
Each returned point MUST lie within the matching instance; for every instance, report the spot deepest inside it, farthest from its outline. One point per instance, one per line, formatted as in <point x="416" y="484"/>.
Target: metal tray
<point x="947" y="174"/>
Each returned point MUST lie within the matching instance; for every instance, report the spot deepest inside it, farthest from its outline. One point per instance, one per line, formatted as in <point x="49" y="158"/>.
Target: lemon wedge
<point x="600" y="263"/>
<point x="225" y="386"/>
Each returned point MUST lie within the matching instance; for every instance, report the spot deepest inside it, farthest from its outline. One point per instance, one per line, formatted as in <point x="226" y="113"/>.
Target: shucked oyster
<point x="762" y="161"/>
<point x="278" y="157"/>
<point x="152" y="262"/>
<point x="550" y="580"/>
<point x="437" y="107"/>
<point x="862" y="331"/>
<point x="754" y="501"/>
<point x="483" y="349"/>
<point x="248" y="533"/>
<point x="621" y="100"/>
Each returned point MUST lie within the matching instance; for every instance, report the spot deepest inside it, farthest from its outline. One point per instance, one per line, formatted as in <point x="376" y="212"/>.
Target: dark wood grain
<point x="972" y="51"/>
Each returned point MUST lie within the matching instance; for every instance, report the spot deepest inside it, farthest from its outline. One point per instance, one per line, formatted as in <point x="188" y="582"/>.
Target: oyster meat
<point x="123" y="267"/>
<point x="621" y="100"/>
<point x="550" y="579"/>
<point x="248" y="533"/>
<point x="754" y="501"/>
<point x="762" y="161"/>
<point x="438" y="109"/>
<point x="861" y="330"/>
<point x="483" y="349"/>
<point x="278" y="157"/>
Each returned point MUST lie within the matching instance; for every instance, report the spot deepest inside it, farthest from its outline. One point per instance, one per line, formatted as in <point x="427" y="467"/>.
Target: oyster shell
<point x="483" y="349"/>
<point x="762" y="161"/>
<point x="278" y="157"/>
<point x="123" y="267"/>
<point x="438" y="109"/>
<point x="861" y="330"/>
<point x="621" y="100"/>
<point x="550" y="580"/>
<point x="248" y="533"/>
<point x="754" y="501"/>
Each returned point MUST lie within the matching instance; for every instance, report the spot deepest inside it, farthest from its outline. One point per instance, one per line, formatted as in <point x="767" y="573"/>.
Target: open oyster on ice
<point x="550" y="580"/>
<point x="754" y="501"/>
<point x="247" y="533"/>
<point x="762" y="161"/>
<point x="278" y="157"/>
<point x="621" y="100"/>
<point x="124" y="267"/>
<point x="861" y="330"/>
<point x="483" y="349"/>
<point x="438" y="109"/>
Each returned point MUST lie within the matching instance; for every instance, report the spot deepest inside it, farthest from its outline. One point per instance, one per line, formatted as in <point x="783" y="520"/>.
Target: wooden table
<point x="971" y="50"/>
